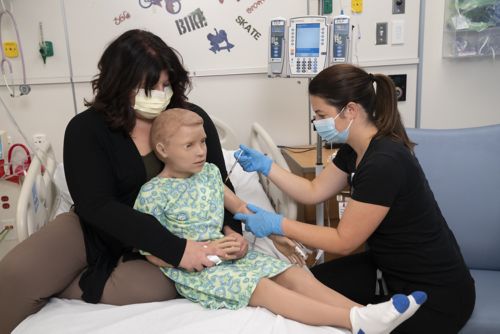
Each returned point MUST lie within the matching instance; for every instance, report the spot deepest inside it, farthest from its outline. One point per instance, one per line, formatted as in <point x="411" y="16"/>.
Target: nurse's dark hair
<point x="343" y="83"/>
<point x="135" y="58"/>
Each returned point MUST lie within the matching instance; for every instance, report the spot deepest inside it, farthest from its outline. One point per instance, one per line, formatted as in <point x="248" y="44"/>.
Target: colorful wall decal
<point x="219" y="41"/>
<point x="255" y="5"/>
<point x="122" y="17"/>
<point x="172" y="6"/>
<point x="195" y="20"/>
<point x="248" y="27"/>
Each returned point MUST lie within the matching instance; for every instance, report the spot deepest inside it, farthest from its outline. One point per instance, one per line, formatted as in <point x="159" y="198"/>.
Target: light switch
<point x="381" y="33"/>
<point x="398" y="32"/>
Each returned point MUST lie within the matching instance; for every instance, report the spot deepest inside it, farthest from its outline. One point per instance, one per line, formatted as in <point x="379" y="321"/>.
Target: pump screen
<point x="307" y="41"/>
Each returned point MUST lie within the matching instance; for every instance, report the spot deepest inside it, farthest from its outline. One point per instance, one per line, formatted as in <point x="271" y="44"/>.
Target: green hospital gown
<point x="193" y="208"/>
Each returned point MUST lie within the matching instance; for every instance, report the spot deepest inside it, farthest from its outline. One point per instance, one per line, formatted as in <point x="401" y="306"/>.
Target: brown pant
<point x="49" y="264"/>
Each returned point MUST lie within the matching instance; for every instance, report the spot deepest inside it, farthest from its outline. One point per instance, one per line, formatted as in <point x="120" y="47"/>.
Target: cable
<point x="296" y="149"/>
<point x="24" y="87"/>
<point x="356" y="42"/>
<point x="5" y="231"/>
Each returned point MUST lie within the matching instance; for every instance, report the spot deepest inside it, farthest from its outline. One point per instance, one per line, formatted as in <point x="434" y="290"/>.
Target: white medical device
<point x="341" y="39"/>
<point x="307" y="46"/>
<point x="277" y="47"/>
<point x="215" y="259"/>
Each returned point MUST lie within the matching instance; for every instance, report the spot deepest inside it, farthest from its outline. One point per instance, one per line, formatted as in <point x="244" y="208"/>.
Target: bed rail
<point x="37" y="198"/>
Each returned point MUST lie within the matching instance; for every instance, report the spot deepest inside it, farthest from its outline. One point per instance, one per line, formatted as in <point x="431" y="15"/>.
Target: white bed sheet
<point x="175" y="316"/>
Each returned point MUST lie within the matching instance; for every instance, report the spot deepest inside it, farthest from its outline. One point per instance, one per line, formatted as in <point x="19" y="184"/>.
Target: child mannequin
<point x="188" y="198"/>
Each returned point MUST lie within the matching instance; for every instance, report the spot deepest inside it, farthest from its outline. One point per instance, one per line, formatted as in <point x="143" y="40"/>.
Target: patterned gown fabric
<point x="193" y="208"/>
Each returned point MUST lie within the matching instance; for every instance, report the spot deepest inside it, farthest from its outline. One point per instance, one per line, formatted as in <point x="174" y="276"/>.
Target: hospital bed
<point x="175" y="316"/>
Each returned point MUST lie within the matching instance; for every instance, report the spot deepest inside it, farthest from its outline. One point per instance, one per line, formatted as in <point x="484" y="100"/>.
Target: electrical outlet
<point x="10" y="49"/>
<point x="39" y="139"/>
<point x="398" y="6"/>
<point x="381" y="33"/>
<point x="357" y="6"/>
<point x="400" y="83"/>
<point x="9" y="194"/>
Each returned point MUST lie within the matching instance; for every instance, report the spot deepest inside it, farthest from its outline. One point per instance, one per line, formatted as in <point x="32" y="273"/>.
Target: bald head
<point x="166" y="125"/>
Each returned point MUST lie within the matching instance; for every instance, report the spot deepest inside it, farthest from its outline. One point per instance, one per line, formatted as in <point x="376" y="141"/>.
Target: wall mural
<point x="172" y="6"/>
<point x="212" y="36"/>
<point x="218" y="39"/>
<point x="193" y="21"/>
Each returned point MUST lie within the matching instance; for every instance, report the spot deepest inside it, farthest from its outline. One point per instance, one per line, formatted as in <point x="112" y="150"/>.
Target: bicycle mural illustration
<point x="172" y="6"/>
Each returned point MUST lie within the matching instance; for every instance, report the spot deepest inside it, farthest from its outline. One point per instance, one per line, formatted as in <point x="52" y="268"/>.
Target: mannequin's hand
<point x="158" y="262"/>
<point x="243" y="245"/>
<point x="288" y="248"/>
<point x="253" y="161"/>
<point x="262" y="223"/>
<point x="229" y="244"/>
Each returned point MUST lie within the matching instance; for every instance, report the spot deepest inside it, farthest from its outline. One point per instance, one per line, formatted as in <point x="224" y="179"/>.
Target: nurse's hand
<point x="253" y="161"/>
<point x="261" y="223"/>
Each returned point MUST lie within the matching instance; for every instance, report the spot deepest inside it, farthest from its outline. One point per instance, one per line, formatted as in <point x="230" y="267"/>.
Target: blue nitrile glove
<point x="253" y="161"/>
<point x="262" y="223"/>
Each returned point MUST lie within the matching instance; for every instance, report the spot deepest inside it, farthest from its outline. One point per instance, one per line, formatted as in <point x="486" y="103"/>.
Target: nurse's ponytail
<point x="386" y="115"/>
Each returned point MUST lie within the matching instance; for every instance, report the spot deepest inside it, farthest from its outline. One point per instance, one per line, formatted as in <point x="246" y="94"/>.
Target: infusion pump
<point x="300" y="46"/>
<point x="307" y="45"/>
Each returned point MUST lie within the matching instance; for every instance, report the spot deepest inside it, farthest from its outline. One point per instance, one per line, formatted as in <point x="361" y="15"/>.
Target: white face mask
<point x="149" y="107"/>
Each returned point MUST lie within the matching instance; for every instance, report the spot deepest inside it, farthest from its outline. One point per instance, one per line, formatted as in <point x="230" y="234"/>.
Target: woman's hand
<point x="195" y="255"/>
<point x="288" y="248"/>
<point x="262" y="223"/>
<point x="253" y="161"/>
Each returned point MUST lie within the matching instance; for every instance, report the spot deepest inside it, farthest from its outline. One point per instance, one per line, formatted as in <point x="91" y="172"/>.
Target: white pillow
<point x="246" y="185"/>
<point x="65" y="201"/>
<point x="248" y="188"/>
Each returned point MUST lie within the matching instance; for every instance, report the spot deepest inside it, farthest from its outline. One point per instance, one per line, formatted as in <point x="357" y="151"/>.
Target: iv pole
<point x="320" y="218"/>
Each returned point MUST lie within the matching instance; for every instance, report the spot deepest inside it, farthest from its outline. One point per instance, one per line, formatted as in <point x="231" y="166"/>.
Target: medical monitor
<point x="307" y="45"/>
<point x="307" y="40"/>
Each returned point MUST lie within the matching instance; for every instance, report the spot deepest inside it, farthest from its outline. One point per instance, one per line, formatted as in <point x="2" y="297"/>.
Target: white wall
<point x="456" y="93"/>
<point x="280" y="105"/>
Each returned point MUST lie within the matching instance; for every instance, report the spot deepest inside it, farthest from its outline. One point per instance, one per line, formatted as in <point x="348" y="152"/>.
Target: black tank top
<point x="152" y="164"/>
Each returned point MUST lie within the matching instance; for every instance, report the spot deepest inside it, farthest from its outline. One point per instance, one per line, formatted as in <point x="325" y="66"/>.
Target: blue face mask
<point x="327" y="131"/>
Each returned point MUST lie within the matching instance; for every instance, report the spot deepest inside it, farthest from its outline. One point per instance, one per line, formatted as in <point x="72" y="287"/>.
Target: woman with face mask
<point x="392" y="208"/>
<point x="89" y="253"/>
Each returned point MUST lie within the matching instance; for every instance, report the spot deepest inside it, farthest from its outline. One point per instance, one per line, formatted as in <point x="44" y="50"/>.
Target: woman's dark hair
<point x="135" y="58"/>
<point x="343" y="83"/>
